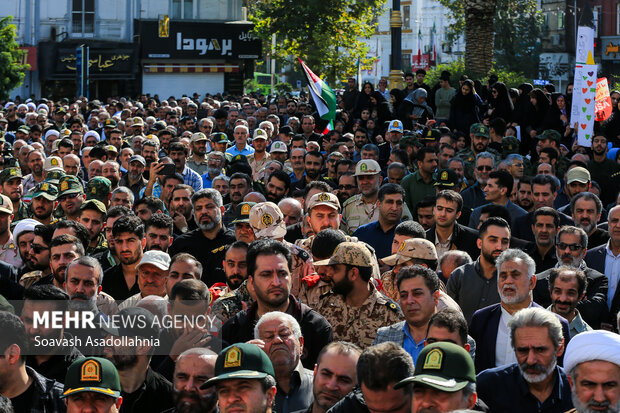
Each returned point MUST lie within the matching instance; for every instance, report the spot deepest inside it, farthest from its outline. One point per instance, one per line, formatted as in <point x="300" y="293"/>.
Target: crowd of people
<point x="430" y="250"/>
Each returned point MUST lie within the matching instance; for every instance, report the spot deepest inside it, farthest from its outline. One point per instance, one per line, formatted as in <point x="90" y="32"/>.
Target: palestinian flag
<point x="324" y="98"/>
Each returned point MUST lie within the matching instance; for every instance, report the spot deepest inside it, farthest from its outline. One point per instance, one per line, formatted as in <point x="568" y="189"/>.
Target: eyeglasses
<point x="37" y="249"/>
<point x="484" y="168"/>
<point x="65" y="197"/>
<point x="573" y="247"/>
<point x="347" y="187"/>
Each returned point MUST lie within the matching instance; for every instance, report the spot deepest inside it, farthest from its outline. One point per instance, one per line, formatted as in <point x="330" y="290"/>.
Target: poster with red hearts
<point x="584" y="94"/>
<point x="602" y="100"/>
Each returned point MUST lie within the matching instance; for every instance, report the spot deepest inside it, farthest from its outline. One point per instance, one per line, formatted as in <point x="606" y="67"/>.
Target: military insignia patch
<point x="54" y="162"/>
<point x="90" y="371"/>
<point x="245" y="209"/>
<point x="323" y="197"/>
<point x="363" y="167"/>
<point x="232" y="358"/>
<point x="266" y="219"/>
<point x="64" y="186"/>
<point x="444" y="175"/>
<point x="434" y="359"/>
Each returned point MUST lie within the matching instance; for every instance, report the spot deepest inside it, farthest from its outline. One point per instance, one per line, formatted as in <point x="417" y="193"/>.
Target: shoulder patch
<point x="215" y="251"/>
<point x="392" y="306"/>
<point x="354" y="198"/>
<point x="301" y="253"/>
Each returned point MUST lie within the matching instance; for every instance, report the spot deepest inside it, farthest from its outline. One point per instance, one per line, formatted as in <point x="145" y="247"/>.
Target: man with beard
<point x="593" y="368"/>
<point x="44" y="202"/>
<point x="37" y="259"/>
<point x="269" y="277"/>
<point x="480" y="139"/>
<point x="586" y="208"/>
<point x="50" y="361"/>
<point x="489" y="326"/>
<point x="208" y="242"/>
<point x="112" y="171"/>
<point x="158" y="231"/>
<point x="524" y="194"/>
<point x="71" y="196"/>
<point x="198" y="162"/>
<point x="534" y="379"/>
<point x="240" y="185"/>
<point x="178" y="153"/>
<point x="35" y="162"/>
<point x="279" y="336"/>
<point x="152" y="276"/>
<point x="121" y="281"/>
<point x="362" y="209"/>
<point x="192" y="369"/>
<point x="353" y="306"/>
<point x="150" y="151"/>
<point x="297" y="164"/>
<point x="215" y="162"/>
<point x="473" y="197"/>
<point x="63" y="249"/>
<point x="278" y="185"/>
<point x="602" y="168"/>
<point x="571" y="245"/>
<point x="11" y="186"/>
<point x="347" y="187"/>
<point x="313" y="165"/>
<point x="133" y="179"/>
<point x="142" y="389"/>
<point x="474" y="286"/>
<point x="8" y="247"/>
<point x="181" y="209"/>
<point x="260" y="156"/>
<point x="92" y="216"/>
<point x="567" y="287"/>
<point x="545" y="227"/>
<point x="235" y="266"/>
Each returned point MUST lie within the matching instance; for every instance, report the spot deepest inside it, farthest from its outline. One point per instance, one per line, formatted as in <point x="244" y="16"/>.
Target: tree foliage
<point x="12" y="71"/>
<point x="324" y="33"/>
<point x="457" y="69"/>
<point x="518" y="27"/>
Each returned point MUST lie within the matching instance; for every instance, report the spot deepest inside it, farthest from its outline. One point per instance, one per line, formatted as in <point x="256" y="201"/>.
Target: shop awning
<point x="189" y="68"/>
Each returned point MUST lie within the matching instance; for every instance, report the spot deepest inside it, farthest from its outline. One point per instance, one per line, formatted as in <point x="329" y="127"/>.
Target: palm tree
<point x="479" y="34"/>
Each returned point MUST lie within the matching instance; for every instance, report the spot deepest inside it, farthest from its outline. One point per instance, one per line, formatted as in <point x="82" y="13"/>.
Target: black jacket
<point x="315" y="329"/>
<point x="155" y="395"/>
<point x="463" y="238"/>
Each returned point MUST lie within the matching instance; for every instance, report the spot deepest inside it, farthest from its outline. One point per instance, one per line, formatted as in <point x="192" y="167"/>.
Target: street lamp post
<point x="396" y="22"/>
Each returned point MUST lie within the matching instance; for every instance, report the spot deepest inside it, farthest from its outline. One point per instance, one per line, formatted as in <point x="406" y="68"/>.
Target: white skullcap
<point x="50" y="133"/>
<point x="21" y="105"/>
<point x="31" y="106"/>
<point x="592" y="345"/>
<point x="43" y="106"/>
<point x="92" y="133"/>
<point x="25" y="225"/>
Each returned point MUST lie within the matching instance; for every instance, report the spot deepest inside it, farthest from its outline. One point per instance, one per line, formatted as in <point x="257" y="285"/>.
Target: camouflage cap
<point x="447" y="178"/>
<point x="151" y="138"/>
<point x="554" y="135"/>
<point x="10" y="173"/>
<point x="350" y="253"/>
<point x="98" y="188"/>
<point x="324" y="198"/>
<point x="199" y="136"/>
<point x="242" y="212"/>
<point x="54" y="176"/>
<point x="510" y="145"/>
<point x="94" y="205"/>
<point x="53" y="163"/>
<point x="411" y="248"/>
<point x="109" y="123"/>
<point x="70" y="184"/>
<point x="6" y="205"/>
<point x="367" y="167"/>
<point x="46" y="190"/>
<point x="431" y="135"/>
<point x="24" y="129"/>
<point x="409" y="140"/>
<point x="478" y="129"/>
<point x="219" y="137"/>
<point x="267" y="221"/>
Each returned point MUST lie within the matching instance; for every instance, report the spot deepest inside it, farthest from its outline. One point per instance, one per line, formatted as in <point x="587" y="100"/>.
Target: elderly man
<point x="567" y="287"/>
<point x="534" y="382"/>
<point x="489" y="326"/>
<point x="593" y="366"/>
<point x="279" y="335"/>
<point x="152" y="275"/>
<point x="244" y="380"/>
<point x="443" y="381"/>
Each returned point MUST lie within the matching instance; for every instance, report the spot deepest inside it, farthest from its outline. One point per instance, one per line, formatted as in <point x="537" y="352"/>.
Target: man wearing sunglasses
<point x="71" y="196"/>
<point x="474" y="196"/>
<point x="571" y="246"/>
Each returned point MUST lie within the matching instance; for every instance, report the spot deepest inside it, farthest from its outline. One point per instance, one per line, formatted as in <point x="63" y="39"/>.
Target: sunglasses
<point x="573" y="247"/>
<point x="37" y="249"/>
<point x="65" y="197"/>
<point x="347" y="187"/>
<point x="484" y="168"/>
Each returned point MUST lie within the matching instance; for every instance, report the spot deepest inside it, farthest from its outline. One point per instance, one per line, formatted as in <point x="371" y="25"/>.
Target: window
<point x="83" y="17"/>
<point x="406" y="17"/>
<point x="182" y="9"/>
<point x="596" y="10"/>
<point x="406" y="61"/>
<point x="561" y="19"/>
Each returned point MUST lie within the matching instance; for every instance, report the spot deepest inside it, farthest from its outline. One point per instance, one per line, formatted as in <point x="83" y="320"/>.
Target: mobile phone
<point x="168" y="169"/>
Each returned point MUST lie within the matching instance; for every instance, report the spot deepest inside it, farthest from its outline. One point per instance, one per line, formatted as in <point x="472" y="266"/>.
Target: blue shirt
<point x="233" y="151"/>
<point x="192" y="178"/>
<point x="515" y="395"/>
<point x="414" y="349"/>
<point x="373" y="235"/>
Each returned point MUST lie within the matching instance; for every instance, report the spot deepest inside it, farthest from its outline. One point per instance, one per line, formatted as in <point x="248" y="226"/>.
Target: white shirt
<point x="612" y="271"/>
<point x="504" y="353"/>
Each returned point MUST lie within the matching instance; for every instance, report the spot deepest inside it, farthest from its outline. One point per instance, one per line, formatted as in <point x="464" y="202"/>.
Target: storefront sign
<point x="610" y="48"/>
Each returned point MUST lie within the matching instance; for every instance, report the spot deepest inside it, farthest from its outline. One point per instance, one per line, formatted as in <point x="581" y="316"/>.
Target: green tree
<point x="12" y="71"/>
<point x="324" y="33"/>
<point x="504" y="31"/>
<point x="457" y="69"/>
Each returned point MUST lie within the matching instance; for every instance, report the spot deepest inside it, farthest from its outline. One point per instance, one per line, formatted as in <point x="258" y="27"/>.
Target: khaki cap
<point x="260" y="134"/>
<point x="351" y="253"/>
<point x="367" y="167"/>
<point x="578" y="174"/>
<point x="6" y="205"/>
<point x="53" y="163"/>
<point x="137" y="121"/>
<point x="199" y="136"/>
<point x="267" y="221"/>
<point x="411" y="248"/>
<point x="324" y="198"/>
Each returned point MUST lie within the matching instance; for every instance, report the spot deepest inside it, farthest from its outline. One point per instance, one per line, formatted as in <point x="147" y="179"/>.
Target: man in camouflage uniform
<point x="9" y="252"/>
<point x="267" y="221"/>
<point x="11" y="186"/>
<point x="70" y="197"/>
<point x="353" y="306"/>
<point x="362" y="208"/>
<point x="479" y="135"/>
<point x="229" y="304"/>
<point x="98" y="241"/>
<point x="260" y="142"/>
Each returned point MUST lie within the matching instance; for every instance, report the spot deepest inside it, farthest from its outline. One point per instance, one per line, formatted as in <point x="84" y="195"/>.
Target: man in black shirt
<point x="208" y="242"/>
